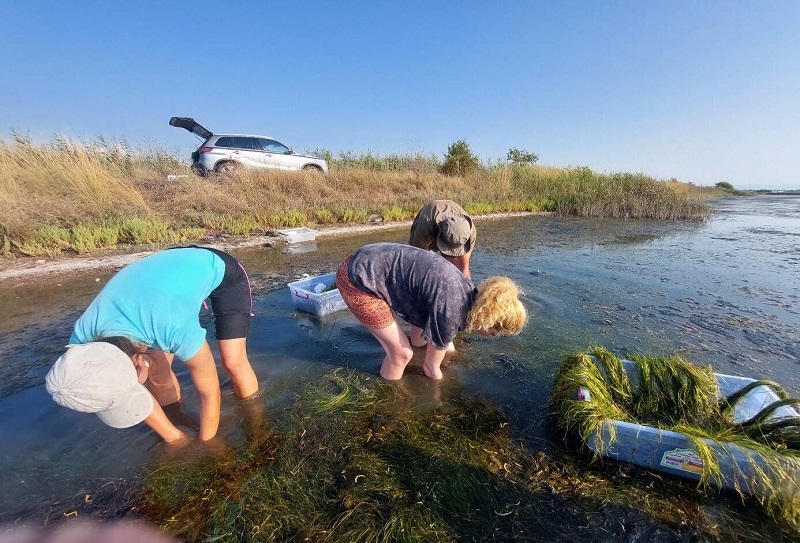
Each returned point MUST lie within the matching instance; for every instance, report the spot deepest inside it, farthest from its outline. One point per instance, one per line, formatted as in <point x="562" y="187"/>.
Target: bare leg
<point x="253" y="413"/>
<point x="398" y="350"/>
<point x="236" y="363"/>
<point x="416" y="337"/>
<point x="433" y="361"/>
<point x="162" y="381"/>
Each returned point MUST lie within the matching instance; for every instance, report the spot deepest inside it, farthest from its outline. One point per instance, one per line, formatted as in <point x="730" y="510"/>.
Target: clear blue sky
<point x="703" y="91"/>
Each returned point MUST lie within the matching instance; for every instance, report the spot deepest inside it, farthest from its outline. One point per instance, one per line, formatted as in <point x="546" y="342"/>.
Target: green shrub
<point x="349" y="215"/>
<point x="521" y="157"/>
<point x="459" y="160"/>
<point x="85" y="239"/>
<point x="191" y="233"/>
<point x="293" y="218"/>
<point x="47" y="240"/>
<point x="137" y="231"/>
<point x="323" y="216"/>
<point x="395" y="213"/>
<point x="239" y="226"/>
<point x="108" y="234"/>
<point x="479" y="208"/>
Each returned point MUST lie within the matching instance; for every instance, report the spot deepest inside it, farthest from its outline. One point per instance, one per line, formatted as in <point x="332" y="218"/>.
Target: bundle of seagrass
<point x="596" y="390"/>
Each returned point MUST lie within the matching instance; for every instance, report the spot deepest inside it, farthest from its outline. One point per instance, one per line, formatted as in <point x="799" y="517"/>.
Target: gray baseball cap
<point x="454" y="235"/>
<point x="99" y="378"/>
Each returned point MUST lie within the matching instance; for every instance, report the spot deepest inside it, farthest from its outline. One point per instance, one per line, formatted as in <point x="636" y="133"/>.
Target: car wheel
<point x="312" y="168"/>
<point x="226" y="168"/>
<point x="199" y="170"/>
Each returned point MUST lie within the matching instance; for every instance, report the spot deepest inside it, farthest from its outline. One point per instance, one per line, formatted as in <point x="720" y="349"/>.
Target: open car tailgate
<point x="191" y="125"/>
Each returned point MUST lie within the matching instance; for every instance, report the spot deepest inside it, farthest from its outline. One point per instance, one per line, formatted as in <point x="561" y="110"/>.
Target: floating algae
<point x="350" y="460"/>
<point x="674" y="395"/>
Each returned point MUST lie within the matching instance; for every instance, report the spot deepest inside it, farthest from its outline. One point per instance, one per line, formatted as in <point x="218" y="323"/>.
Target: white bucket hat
<point x="99" y="378"/>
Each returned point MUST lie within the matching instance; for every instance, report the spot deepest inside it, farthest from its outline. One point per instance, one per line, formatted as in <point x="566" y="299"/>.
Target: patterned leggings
<point x="370" y="310"/>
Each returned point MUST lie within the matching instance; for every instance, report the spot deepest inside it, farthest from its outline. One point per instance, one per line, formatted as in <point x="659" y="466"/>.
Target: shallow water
<point x="725" y="292"/>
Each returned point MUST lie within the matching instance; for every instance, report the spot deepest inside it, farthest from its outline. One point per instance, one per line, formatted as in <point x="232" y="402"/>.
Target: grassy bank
<point x="63" y="196"/>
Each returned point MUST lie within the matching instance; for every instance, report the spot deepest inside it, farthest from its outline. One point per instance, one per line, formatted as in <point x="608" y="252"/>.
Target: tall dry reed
<point x="59" y="195"/>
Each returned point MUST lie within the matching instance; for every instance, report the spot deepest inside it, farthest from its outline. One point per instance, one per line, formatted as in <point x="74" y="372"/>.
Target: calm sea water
<point x="725" y="292"/>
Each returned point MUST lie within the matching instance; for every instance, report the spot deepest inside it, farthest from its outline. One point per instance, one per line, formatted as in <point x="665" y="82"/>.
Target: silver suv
<point x="226" y="153"/>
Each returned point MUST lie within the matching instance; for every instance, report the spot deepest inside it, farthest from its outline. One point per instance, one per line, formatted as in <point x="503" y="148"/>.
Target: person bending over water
<point x="382" y="280"/>
<point x="147" y="314"/>
<point x="444" y="226"/>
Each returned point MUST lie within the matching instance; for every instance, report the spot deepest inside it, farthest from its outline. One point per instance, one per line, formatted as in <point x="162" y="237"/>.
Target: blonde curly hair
<point x="497" y="307"/>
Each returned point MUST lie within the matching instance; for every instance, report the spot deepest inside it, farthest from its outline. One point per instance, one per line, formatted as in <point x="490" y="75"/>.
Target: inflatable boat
<point x="757" y="453"/>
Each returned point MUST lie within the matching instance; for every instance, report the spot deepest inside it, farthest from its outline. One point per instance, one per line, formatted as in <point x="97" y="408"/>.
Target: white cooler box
<point x="305" y="299"/>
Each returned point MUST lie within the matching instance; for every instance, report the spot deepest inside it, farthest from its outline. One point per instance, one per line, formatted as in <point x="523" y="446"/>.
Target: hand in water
<point x="178" y="416"/>
<point x="178" y="444"/>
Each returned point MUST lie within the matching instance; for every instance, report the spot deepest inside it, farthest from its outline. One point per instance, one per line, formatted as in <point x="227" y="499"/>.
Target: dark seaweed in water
<point x="347" y="462"/>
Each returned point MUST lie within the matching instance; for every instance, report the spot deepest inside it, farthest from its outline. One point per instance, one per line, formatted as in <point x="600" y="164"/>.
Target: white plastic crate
<point x="298" y="235"/>
<point x="305" y="299"/>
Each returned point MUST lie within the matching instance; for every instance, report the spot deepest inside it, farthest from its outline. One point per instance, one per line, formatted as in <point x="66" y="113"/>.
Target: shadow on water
<point x="650" y="287"/>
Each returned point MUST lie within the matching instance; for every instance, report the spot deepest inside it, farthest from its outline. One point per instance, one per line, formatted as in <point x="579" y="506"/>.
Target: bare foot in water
<point x="433" y="373"/>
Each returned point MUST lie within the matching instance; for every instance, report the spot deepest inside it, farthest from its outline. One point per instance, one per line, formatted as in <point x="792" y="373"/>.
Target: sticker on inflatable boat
<point x="683" y="459"/>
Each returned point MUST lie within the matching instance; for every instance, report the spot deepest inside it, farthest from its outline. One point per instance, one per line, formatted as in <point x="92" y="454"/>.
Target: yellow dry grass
<point x="68" y="191"/>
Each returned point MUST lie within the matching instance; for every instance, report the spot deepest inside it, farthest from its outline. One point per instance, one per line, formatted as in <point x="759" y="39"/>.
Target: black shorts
<point x="232" y="300"/>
